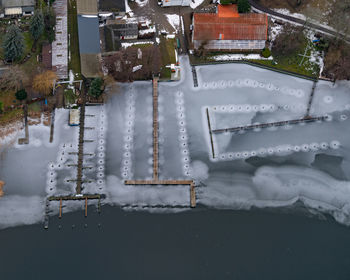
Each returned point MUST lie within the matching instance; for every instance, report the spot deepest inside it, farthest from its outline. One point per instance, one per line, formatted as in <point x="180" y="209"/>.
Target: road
<point x="310" y="25"/>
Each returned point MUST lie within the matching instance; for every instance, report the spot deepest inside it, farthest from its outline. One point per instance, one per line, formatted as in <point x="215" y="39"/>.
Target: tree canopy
<point x="37" y="24"/>
<point x="243" y="6"/>
<point x="44" y="82"/>
<point x="21" y="94"/>
<point x="50" y="22"/>
<point x="13" y="78"/>
<point x="13" y="43"/>
<point x="95" y="87"/>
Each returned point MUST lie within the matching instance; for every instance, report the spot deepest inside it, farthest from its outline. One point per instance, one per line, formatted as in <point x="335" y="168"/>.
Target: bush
<point x="1" y="107"/>
<point x="243" y="6"/>
<point x="266" y="52"/>
<point x="21" y="94"/>
<point x="95" y="87"/>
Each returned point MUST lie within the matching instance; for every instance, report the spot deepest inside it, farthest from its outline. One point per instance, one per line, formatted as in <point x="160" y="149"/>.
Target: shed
<point x="46" y="54"/>
<point x="74" y="117"/>
<point x="124" y="31"/>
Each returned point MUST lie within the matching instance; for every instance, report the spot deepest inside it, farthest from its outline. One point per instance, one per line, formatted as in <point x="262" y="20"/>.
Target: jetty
<point x="272" y="124"/>
<point x="155" y="180"/>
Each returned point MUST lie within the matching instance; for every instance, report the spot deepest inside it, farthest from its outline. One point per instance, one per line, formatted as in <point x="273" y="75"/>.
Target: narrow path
<point x="305" y="23"/>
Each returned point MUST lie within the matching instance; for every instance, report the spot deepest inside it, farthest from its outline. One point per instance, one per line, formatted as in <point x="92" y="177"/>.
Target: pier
<point x="210" y="134"/>
<point x="155" y="180"/>
<point x="273" y="124"/>
<point x="310" y="99"/>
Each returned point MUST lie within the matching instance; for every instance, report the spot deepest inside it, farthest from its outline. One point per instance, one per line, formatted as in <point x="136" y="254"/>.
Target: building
<point x="228" y="30"/>
<point x="167" y="3"/>
<point x="106" y="7"/>
<point x="89" y="38"/>
<point x="124" y="31"/>
<point x="18" y="7"/>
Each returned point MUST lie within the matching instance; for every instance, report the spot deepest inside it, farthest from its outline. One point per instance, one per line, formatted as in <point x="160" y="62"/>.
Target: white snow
<point x="127" y="7"/>
<point x="229" y="57"/>
<point x="126" y="45"/>
<point x="149" y="30"/>
<point x="174" y="20"/>
<point x="194" y="4"/>
<point x="141" y="3"/>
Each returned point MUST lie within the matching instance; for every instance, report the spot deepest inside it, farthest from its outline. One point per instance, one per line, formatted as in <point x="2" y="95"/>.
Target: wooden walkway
<point x="307" y="115"/>
<point x="81" y="143"/>
<point x="273" y="124"/>
<point x="155" y="180"/>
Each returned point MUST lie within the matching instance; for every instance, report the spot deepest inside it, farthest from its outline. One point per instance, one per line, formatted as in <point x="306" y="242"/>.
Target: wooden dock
<point x="155" y="129"/>
<point x="189" y="183"/>
<point x="81" y="144"/>
<point x="210" y="134"/>
<point x="155" y="180"/>
<point x="273" y="124"/>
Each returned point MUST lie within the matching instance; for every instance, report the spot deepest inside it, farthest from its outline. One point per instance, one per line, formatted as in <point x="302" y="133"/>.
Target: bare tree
<point x="44" y="82"/>
<point x="13" y="78"/>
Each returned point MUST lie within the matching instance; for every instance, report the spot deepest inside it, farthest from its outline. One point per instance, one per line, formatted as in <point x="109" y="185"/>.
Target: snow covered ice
<point x="268" y="167"/>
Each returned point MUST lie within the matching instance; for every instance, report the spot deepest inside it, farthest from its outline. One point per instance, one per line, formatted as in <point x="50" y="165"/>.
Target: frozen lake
<point x="270" y="167"/>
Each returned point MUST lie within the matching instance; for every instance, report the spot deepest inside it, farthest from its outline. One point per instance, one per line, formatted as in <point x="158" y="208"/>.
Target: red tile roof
<point x="249" y="26"/>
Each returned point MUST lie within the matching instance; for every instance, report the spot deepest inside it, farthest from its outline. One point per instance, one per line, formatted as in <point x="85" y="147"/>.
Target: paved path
<point x="309" y="25"/>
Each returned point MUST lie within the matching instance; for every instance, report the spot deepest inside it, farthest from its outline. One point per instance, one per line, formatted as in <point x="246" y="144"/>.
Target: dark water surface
<point x="199" y="244"/>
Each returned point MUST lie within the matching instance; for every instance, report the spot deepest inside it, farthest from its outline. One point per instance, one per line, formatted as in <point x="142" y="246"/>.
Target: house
<point x="106" y="7"/>
<point x="228" y="30"/>
<point x="124" y="31"/>
<point x="18" y="7"/>
<point x="167" y="3"/>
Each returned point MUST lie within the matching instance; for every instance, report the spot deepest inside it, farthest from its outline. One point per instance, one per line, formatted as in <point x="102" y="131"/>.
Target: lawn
<point x="6" y="117"/>
<point x="167" y="50"/>
<point x="74" y="62"/>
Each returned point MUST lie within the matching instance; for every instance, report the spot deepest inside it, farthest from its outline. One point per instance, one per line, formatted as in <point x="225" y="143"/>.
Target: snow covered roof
<point x="229" y="25"/>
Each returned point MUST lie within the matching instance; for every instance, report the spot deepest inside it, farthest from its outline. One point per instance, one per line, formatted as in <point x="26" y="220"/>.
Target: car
<point x="160" y="3"/>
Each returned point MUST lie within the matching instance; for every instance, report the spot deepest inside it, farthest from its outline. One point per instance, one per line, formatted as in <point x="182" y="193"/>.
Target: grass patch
<point x="34" y="107"/>
<point x="11" y="115"/>
<point x="69" y="97"/>
<point x="167" y="51"/>
<point x="28" y="43"/>
<point x="74" y="62"/>
<point x="8" y="98"/>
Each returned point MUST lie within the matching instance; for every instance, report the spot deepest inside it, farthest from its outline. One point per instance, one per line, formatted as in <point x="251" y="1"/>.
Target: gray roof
<point x="111" y="5"/>
<point x="127" y="29"/>
<point x="89" y="35"/>
<point x="17" y="3"/>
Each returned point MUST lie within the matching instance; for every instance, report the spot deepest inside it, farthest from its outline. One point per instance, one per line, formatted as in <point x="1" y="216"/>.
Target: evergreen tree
<point x="243" y="6"/>
<point x="21" y="94"/>
<point x="95" y="87"/>
<point x="50" y="22"/>
<point x="37" y="24"/>
<point x="13" y="44"/>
